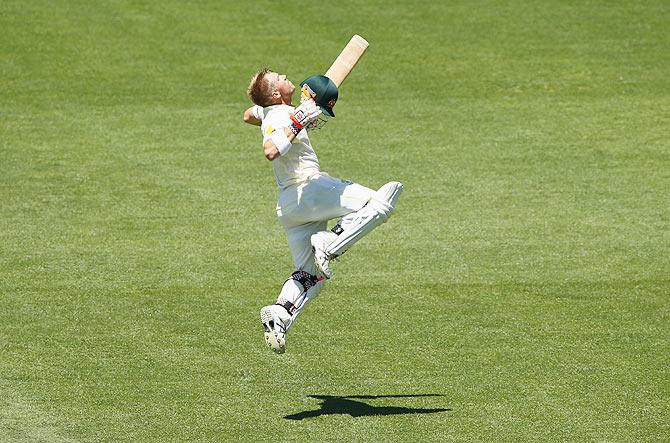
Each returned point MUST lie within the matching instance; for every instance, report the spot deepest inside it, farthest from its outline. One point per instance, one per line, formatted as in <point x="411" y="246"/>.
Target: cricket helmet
<point x="322" y="90"/>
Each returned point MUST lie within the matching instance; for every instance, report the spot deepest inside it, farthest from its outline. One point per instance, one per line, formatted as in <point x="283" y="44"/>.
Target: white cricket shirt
<point x="300" y="162"/>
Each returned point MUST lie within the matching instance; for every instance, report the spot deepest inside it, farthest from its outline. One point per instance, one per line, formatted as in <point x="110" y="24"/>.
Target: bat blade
<point x="345" y="62"/>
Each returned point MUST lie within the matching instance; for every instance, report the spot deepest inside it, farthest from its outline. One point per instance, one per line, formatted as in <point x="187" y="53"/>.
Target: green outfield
<point x="520" y="292"/>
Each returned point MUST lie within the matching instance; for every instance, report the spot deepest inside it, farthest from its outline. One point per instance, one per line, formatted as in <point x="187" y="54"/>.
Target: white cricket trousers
<point x="305" y="209"/>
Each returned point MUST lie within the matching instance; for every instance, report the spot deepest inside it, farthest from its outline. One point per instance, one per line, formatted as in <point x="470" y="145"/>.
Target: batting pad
<point x="358" y="224"/>
<point x="297" y="291"/>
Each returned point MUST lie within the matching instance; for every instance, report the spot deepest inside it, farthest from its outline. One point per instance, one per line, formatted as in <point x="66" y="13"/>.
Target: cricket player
<point x="308" y="198"/>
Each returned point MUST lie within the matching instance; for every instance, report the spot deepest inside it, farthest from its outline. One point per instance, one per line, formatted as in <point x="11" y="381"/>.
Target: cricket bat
<point x="345" y="62"/>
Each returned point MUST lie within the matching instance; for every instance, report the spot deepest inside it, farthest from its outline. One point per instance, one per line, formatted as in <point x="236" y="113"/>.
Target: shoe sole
<point x="275" y="340"/>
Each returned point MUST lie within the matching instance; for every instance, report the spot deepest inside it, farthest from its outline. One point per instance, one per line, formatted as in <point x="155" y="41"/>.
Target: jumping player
<point x="308" y="198"/>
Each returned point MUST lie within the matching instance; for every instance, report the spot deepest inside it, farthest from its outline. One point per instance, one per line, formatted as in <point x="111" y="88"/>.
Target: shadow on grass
<point x="331" y="404"/>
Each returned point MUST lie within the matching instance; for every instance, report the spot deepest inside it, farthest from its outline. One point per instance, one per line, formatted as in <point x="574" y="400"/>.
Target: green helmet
<point x="322" y="90"/>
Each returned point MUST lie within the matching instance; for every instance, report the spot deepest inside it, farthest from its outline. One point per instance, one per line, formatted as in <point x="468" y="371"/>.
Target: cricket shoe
<point x="275" y="320"/>
<point x="320" y="242"/>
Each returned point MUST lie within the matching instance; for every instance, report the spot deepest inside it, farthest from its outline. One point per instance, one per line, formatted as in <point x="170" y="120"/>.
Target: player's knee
<point x="386" y="198"/>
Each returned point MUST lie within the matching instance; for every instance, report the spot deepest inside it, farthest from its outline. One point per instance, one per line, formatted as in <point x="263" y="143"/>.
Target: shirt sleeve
<point x="275" y="119"/>
<point x="257" y="112"/>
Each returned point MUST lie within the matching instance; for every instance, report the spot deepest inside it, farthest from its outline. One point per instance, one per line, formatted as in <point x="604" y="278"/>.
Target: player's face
<point x="283" y="85"/>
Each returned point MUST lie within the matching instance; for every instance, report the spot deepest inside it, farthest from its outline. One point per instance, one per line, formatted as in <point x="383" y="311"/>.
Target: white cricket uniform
<point x="308" y="197"/>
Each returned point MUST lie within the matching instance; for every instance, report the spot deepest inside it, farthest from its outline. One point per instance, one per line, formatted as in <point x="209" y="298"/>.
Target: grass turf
<point x="521" y="287"/>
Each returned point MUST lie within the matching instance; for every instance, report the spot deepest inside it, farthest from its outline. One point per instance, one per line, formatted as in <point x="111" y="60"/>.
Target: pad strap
<point x="290" y="307"/>
<point x="306" y="279"/>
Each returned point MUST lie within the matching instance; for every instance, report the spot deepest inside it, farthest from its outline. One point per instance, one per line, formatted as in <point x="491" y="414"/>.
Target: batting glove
<point x="306" y="116"/>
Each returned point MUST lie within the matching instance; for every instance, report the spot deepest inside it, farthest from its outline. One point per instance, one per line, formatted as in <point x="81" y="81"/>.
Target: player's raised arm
<point x="282" y="138"/>
<point x="251" y="116"/>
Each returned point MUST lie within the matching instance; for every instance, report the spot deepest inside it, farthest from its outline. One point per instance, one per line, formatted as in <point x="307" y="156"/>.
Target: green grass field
<point x="521" y="289"/>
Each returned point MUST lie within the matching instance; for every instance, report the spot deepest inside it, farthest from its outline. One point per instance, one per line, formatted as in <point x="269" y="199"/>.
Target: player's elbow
<point x="271" y="155"/>
<point x="270" y="150"/>
<point x="249" y="117"/>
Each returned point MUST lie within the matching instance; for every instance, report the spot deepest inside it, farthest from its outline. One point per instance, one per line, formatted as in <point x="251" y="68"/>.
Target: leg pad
<point x="352" y="227"/>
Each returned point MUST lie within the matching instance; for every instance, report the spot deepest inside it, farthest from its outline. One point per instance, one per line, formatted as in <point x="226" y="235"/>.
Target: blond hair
<point x="260" y="88"/>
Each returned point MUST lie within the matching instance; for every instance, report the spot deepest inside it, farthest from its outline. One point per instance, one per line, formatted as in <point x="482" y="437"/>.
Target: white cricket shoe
<point x="275" y="320"/>
<point x="320" y="242"/>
